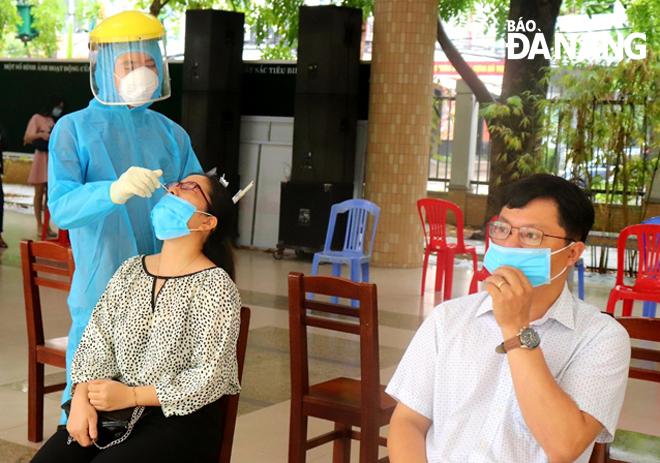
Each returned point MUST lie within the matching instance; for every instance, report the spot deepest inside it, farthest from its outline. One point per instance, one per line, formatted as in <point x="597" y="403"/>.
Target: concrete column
<point x="465" y="138"/>
<point x="400" y="126"/>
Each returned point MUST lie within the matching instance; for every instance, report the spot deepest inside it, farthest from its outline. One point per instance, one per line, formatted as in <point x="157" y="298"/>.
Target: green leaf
<point x="514" y="101"/>
<point x="9" y="22"/>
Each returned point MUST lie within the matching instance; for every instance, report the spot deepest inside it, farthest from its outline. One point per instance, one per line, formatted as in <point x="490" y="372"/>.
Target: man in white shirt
<point x="524" y="372"/>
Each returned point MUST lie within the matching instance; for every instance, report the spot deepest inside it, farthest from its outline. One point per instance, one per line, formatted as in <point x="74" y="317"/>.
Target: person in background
<point x="105" y="155"/>
<point x="37" y="134"/>
<point x="3" y="138"/>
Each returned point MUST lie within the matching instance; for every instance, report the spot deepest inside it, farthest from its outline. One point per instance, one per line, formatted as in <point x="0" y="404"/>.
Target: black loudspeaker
<point x="213" y="121"/>
<point x="305" y="214"/>
<point x="324" y="139"/>
<point x="329" y="50"/>
<point x="212" y="76"/>
<point x="327" y="82"/>
<point x="213" y="51"/>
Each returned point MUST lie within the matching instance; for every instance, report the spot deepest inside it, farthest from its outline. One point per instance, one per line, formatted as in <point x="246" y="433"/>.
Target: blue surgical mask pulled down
<point x="170" y="217"/>
<point x="534" y="262"/>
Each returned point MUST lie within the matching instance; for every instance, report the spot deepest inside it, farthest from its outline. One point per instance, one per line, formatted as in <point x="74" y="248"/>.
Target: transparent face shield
<point x="129" y="73"/>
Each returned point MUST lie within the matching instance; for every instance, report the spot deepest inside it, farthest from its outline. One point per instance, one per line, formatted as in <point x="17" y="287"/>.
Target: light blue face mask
<point x="170" y="217"/>
<point x="534" y="262"/>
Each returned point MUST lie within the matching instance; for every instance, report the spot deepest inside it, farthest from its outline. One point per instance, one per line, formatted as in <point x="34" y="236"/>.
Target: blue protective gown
<point x="89" y="150"/>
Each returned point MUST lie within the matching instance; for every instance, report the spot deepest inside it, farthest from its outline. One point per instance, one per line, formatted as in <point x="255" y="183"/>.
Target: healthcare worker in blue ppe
<point x="107" y="160"/>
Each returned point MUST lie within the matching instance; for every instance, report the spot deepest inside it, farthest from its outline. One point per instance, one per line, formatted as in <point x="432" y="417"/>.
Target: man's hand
<point x="558" y="425"/>
<point x="81" y="424"/>
<point x="511" y="292"/>
<point x="107" y="395"/>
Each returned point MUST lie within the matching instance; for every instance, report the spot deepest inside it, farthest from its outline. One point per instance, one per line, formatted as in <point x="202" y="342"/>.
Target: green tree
<point x="527" y="79"/>
<point x="87" y="13"/>
<point x="609" y="116"/>
<point x="524" y="79"/>
<point x="264" y="17"/>
<point x="515" y="120"/>
<point x="49" y="18"/>
<point x="9" y="21"/>
<point x="644" y="16"/>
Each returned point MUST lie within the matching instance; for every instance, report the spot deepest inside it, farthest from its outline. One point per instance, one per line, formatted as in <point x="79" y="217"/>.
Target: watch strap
<point x="510" y="344"/>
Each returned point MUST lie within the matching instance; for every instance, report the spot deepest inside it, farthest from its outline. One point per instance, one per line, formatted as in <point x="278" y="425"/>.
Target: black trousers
<point x="191" y="438"/>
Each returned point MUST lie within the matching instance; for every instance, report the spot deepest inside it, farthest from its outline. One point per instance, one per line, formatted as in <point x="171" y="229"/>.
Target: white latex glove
<point x="135" y="181"/>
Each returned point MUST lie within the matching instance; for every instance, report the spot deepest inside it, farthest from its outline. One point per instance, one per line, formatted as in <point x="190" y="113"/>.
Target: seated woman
<point x="163" y="335"/>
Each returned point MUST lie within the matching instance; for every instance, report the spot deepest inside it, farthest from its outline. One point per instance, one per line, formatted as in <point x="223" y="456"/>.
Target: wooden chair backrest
<point x="365" y="327"/>
<point x="645" y="329"/>
<point x="54" y="259"/>
<point x="229" y="403"/>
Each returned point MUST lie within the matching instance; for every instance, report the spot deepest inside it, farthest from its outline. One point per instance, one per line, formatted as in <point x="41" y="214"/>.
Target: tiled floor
<point x="262" y="429"/>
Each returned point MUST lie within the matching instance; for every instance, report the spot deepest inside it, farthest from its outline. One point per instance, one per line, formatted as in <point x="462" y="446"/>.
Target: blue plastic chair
<point x="650" y="307"/>
<point x="352" y="253"/>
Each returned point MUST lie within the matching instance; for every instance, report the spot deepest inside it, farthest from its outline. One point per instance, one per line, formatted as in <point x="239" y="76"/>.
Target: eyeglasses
<point x="188" y="186"/>
<point x="528" y="236"/>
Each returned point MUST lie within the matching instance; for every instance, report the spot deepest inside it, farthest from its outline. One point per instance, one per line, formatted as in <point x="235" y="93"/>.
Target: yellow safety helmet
<point x="127" y="26"/>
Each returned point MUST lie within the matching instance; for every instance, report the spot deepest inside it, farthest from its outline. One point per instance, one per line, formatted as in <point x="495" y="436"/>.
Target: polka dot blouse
<point x="183" y="343"/>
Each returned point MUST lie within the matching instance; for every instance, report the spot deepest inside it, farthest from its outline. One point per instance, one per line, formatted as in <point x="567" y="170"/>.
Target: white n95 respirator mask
<point x="138" y="86"/>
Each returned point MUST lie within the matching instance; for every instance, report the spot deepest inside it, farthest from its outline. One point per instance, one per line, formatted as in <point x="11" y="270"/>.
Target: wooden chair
<point x="346" y="402"/>
<point x="229" y="403"/>
<point x="42" y="351"/>
<point x="646" y="329"/>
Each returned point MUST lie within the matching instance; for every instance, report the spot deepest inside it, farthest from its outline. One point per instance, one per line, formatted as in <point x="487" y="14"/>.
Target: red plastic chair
<point x="62" y="235"/>
<point x="435" y="240"/>
<point x="647" y="285"/>
<point x="481" y="275"/>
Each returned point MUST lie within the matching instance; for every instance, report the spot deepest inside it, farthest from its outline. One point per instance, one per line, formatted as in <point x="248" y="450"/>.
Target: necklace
<point x="157" y="287"/>
<point x="180" y="271"/>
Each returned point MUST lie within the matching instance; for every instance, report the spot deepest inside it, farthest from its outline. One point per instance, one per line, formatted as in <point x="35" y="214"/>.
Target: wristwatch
<point x="527" y="338"/>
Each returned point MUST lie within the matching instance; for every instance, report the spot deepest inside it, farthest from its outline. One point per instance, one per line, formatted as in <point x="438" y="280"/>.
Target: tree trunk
<point x="464" y="70"/>
<point x="520" y="76"/>
<point x="154" y="9"/>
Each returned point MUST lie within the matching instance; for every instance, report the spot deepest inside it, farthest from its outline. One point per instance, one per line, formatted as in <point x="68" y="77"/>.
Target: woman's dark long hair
<point x="47" y="109"/>
<point x="217" y="247"/>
